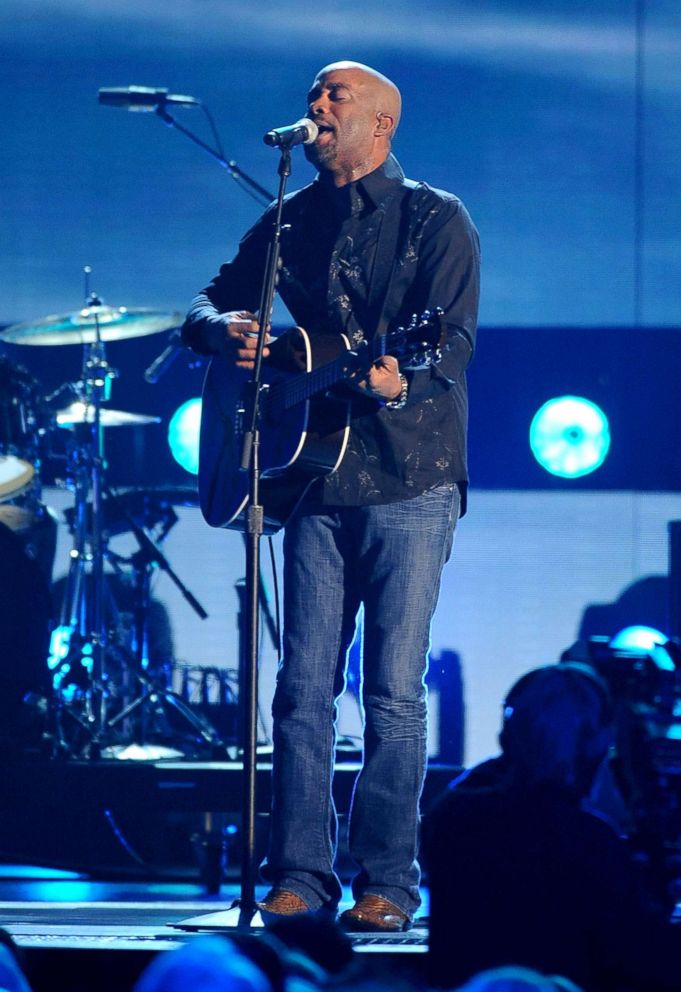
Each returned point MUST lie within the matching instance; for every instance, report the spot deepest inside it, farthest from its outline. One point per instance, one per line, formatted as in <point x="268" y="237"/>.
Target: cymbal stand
<point x="83" y="607"/>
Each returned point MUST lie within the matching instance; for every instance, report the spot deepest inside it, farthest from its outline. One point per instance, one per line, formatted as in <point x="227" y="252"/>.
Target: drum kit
<point x="97" y="690"/>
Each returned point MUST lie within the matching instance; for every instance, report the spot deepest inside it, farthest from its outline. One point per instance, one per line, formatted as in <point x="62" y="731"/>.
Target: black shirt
<point x="330" y="280"/>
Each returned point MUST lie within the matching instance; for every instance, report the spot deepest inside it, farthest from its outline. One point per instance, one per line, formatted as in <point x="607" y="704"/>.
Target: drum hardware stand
<point x="83" y="606"/>
<point x="83" y="616"/>
<point x="144" y="561"/>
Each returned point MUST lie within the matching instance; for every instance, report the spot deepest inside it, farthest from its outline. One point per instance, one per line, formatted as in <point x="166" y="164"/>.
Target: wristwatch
<point x="401" y="400"/>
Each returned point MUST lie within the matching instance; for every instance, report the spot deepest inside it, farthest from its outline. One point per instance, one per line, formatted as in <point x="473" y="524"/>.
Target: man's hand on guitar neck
<point x="383" y="379"/>
<point x="242" y="334"/>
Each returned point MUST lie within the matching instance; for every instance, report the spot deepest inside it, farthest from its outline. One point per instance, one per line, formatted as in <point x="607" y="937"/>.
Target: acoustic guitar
<point x="305" y="404"/>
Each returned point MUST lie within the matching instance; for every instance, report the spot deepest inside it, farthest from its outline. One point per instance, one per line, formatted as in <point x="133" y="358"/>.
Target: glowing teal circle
<point x="638" y="638"/>
<point x="570" y="436"/>
<point x="183" y="435"/>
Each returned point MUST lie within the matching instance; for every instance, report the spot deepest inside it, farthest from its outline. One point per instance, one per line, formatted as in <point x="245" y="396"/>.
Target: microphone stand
<point x="234" y="170"/>
<point x="97" y="376"/>
<point x="253" y="520"/>
<point x="253" y="527"/>
<point x="165" y="359"/>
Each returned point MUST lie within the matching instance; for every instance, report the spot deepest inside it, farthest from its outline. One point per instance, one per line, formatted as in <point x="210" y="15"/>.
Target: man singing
<point x="363" y="249"/>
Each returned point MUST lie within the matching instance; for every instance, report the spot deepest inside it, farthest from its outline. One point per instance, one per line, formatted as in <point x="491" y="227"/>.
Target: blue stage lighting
<point x="34" y="872"/>
<point x="570" y="436"/>
<point x="183" y="435"/>
<point x="638" y="638"/>
<point x="60" y="643"/>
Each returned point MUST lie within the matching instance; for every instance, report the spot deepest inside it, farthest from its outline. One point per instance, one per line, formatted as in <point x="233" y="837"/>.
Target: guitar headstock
<point x="419" y="345"/>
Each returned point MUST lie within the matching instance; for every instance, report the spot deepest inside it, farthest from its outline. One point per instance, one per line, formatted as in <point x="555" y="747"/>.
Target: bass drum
<point x="23" y="418"/>
<point x="25" y="620"/>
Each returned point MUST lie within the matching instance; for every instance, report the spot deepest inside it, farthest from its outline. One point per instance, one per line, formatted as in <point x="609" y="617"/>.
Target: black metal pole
<point x="254" y="531"/>
<point x="234" y="170"/>
<point x="253" y="528"/>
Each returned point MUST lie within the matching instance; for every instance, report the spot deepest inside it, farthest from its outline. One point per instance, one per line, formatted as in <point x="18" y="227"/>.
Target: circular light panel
<point x="570" y="436"/>
<point x="183" y="435"/>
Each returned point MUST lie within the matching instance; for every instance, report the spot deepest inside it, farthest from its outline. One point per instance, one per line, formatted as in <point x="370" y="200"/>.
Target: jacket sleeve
<point x="237" y="286"/>
<point x="447" y="276"/>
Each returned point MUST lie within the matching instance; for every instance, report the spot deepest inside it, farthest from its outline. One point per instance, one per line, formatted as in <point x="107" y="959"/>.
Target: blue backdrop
<point x="556" y="122"/>
<point x="527" y="110"/>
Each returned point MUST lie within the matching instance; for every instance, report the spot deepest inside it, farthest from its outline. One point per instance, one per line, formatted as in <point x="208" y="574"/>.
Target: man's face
<point x="343" y="104"/>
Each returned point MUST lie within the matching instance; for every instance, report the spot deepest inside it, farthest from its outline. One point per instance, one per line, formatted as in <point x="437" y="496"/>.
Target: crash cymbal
<point x="80" y="327"/>
<point x="82" y="413"/>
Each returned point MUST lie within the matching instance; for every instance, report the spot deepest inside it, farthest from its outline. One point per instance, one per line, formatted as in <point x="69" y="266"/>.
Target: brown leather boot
<point x="281" y="902"/>
<point x="374" y="914"/>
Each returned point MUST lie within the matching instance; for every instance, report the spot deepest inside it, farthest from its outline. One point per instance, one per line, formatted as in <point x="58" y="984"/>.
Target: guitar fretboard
<point x="421" y="336"/>
<point x="305" y="385"/>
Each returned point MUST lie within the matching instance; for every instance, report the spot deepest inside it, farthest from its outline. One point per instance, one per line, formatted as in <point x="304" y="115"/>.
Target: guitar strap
<point x="393" y="231"/>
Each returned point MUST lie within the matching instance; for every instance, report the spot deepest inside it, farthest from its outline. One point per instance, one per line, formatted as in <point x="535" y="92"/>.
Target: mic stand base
<point x="236" y="918"/>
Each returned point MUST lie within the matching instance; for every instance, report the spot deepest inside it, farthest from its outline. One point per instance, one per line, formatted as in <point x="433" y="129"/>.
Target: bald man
<point x="363" y="249"/>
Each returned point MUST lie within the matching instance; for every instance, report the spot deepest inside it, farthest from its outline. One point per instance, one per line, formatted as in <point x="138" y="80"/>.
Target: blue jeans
<point x="389" y="558"/>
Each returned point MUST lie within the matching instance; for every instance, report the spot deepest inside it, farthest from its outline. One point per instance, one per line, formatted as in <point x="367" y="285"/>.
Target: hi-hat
<point x="80" y="327"/>
<point x="84" y="413"/>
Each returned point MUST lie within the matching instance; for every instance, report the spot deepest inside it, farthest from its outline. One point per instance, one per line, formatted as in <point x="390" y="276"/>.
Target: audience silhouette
<point x="521" y="873"/>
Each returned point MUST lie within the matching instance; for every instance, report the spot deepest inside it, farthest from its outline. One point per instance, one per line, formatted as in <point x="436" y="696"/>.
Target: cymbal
<point x="81" y="413"/>
<point x="80" y="327"/>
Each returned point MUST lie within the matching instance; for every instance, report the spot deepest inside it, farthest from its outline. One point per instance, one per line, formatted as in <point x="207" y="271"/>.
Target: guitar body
<point x="304" y="424"/>
<point x="298" y="442"/>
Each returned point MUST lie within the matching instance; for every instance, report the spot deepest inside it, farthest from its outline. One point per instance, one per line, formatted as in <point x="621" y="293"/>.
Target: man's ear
<point x="384" y="125"/>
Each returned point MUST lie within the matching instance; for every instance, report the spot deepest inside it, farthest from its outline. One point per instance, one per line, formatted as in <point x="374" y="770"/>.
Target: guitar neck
<point x="305" y="385"/>
<point x="421" y="342"/>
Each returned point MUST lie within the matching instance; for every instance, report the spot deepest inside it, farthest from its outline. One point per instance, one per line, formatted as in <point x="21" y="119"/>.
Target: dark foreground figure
<point x="520" y="874"/>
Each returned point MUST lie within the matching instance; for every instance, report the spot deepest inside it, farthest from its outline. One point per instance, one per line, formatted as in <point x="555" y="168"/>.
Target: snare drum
<point x="20" y="403"/>
<point x="16" y="475"/>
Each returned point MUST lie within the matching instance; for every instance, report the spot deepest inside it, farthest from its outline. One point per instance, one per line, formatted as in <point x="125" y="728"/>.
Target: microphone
<point x="143" y="98"/>
<point x="303" y="132"/>
<point x="162" y="362"/>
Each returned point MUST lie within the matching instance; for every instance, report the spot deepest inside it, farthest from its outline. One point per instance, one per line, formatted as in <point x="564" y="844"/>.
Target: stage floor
<point x="84" y="930"/>
<point x="131" y="837"/>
